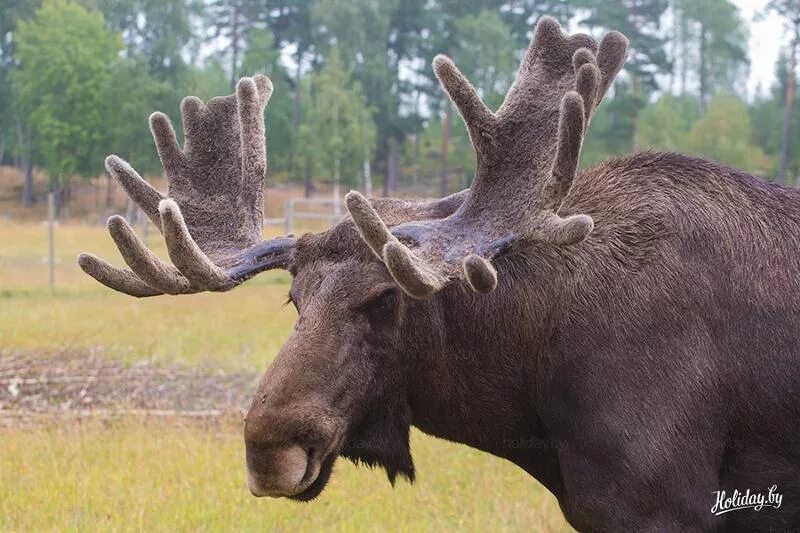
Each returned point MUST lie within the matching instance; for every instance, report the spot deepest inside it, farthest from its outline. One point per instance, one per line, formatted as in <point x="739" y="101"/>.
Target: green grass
<point x="134" y="474"/>
<point x="150" y="476"/>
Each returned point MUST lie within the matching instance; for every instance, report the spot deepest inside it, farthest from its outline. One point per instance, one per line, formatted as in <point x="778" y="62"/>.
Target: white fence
<point x="296" y="209"/>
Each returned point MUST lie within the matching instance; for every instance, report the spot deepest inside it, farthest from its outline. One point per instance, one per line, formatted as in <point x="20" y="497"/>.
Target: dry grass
<point x="139" y="475"/>
<point x="243" y="328"/>
<point x="134" y="474"/>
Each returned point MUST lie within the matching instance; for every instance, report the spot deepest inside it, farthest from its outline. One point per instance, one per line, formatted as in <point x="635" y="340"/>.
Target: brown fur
<point x="635" y="356"/>
<point x="632" y="374"/>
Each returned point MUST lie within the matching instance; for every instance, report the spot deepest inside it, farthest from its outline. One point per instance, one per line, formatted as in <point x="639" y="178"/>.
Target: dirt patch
<point x="84" y="384"/>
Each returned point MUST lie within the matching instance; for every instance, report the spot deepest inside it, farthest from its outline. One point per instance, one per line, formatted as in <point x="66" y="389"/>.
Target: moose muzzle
<point x="278" y="471"/>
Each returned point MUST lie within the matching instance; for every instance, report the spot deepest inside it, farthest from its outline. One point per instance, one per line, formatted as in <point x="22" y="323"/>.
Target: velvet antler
<point x="527" y="157"/>
<point x="212" y="215"/>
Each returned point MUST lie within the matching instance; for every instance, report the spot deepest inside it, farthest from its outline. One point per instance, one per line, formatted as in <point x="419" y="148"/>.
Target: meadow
<point x="133" y="473"/>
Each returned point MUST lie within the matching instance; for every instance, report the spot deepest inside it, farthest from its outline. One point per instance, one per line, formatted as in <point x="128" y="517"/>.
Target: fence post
<point x="288" y="212"/>
<point x="51" y="259"/>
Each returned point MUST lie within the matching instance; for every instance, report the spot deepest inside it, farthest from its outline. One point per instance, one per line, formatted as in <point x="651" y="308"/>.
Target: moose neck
<point x="478" y="382"/>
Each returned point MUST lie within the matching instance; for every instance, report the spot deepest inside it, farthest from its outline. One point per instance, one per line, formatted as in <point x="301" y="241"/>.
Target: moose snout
<point x="280" y="470"/>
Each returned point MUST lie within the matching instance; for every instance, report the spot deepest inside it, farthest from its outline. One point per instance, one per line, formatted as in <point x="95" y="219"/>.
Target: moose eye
<point x="382" y="304"/>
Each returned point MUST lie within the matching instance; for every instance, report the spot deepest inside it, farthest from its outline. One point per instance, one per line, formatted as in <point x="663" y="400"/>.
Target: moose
<point x="627" y="334"/>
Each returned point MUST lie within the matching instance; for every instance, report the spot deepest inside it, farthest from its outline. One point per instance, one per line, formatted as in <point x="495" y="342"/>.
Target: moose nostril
<point x="278" y="471"/>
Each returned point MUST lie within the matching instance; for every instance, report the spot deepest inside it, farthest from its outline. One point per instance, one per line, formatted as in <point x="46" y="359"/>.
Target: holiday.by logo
<point x="746" y="500"/>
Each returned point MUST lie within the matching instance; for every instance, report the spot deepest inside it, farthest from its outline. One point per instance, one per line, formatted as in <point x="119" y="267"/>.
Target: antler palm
<point x="212" y="215"/>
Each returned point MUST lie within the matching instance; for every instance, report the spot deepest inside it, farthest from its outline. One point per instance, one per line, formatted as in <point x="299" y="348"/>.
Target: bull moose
<point x="627" y="334"/>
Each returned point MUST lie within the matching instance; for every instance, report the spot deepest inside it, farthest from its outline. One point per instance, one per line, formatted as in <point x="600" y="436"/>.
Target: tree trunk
<point x="308" y="189"/>
<point x="444" y="177"/>
<point x="26" y="162"/>
<point x="336" y="179"/>
<point x="635" y="109"/>
<point x="27" y="186"/>
<point x="703" y="67"/>
<point x="417" y="157"/>
<point x="234" y="45"/>
<point x="367" y="175"/>
<point x="391" y="168"/>
<point x="684" y="37"/>
<point x="295" y="114"/>
<point x="109" y="192"/>
<point x="787" y="113"/>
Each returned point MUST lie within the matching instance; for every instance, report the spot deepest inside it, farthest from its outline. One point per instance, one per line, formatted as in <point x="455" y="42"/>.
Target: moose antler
<point x="527" y="157"/>
<point x="212" y="216"/>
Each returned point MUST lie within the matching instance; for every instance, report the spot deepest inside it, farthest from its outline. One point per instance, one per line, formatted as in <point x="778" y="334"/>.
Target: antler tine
<point x="141" y="192"/>
<point x="527" y="171"/>
<point x="576" y="111"/>
<point x="368" y="223"/>
<point x="480" y="274"/>
<point x="169" y="151"/>
<point x="474" y="112"/>
<point x="119" y="279"/>
<point x="215" y="241"/>
<point x="144" y="263"/>
<point x="191" y="262"/>
<point x="611" y="56"/>
<point x="415" y="277"/>
<point x="252" y="96"/>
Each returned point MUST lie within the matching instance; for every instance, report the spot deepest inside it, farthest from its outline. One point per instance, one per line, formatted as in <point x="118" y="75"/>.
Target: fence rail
<point x="301" y="209"/>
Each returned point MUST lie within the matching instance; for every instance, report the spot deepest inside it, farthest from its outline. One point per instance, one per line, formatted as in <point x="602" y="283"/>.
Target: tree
<point x="640" y="21"/>
<point x="13" y="131"/>
<point x="667" y="123"/>
<point x="64" y="53"/>
<point x="790" y="11"/>
<point x="289" y="21"/>
<point x="232" y="20"/>
<point x="769" y="109"/>
<point x="725" y="134"/>
<point x="152" y="30"/>
<point x="338" y="133"/>
<point x="262" y="57"/>
<point x="715" y="29"/>
<point x="368" y="52"/>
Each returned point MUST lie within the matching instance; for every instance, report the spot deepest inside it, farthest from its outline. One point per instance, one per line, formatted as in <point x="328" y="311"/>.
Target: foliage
<point x="666" y="124"/>
<point x="725" y="134"/>
<point x="153" y="53"/>
<point x="64" y="54"/>
<point x="640" y="21"/>
<point x="339" y="131"/>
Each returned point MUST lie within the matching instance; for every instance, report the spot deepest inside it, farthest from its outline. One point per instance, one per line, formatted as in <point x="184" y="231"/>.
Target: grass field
<point x="143" y="474"/>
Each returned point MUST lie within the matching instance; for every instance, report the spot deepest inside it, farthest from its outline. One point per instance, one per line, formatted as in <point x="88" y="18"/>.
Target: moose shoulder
<point x="627" y="334"/>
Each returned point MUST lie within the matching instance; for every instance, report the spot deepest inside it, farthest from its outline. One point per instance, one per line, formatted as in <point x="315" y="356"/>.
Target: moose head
<point x="394" y="300"/>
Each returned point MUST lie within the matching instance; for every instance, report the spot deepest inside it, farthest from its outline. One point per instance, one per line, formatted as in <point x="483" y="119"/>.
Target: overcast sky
<point x="766" y="37"/>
